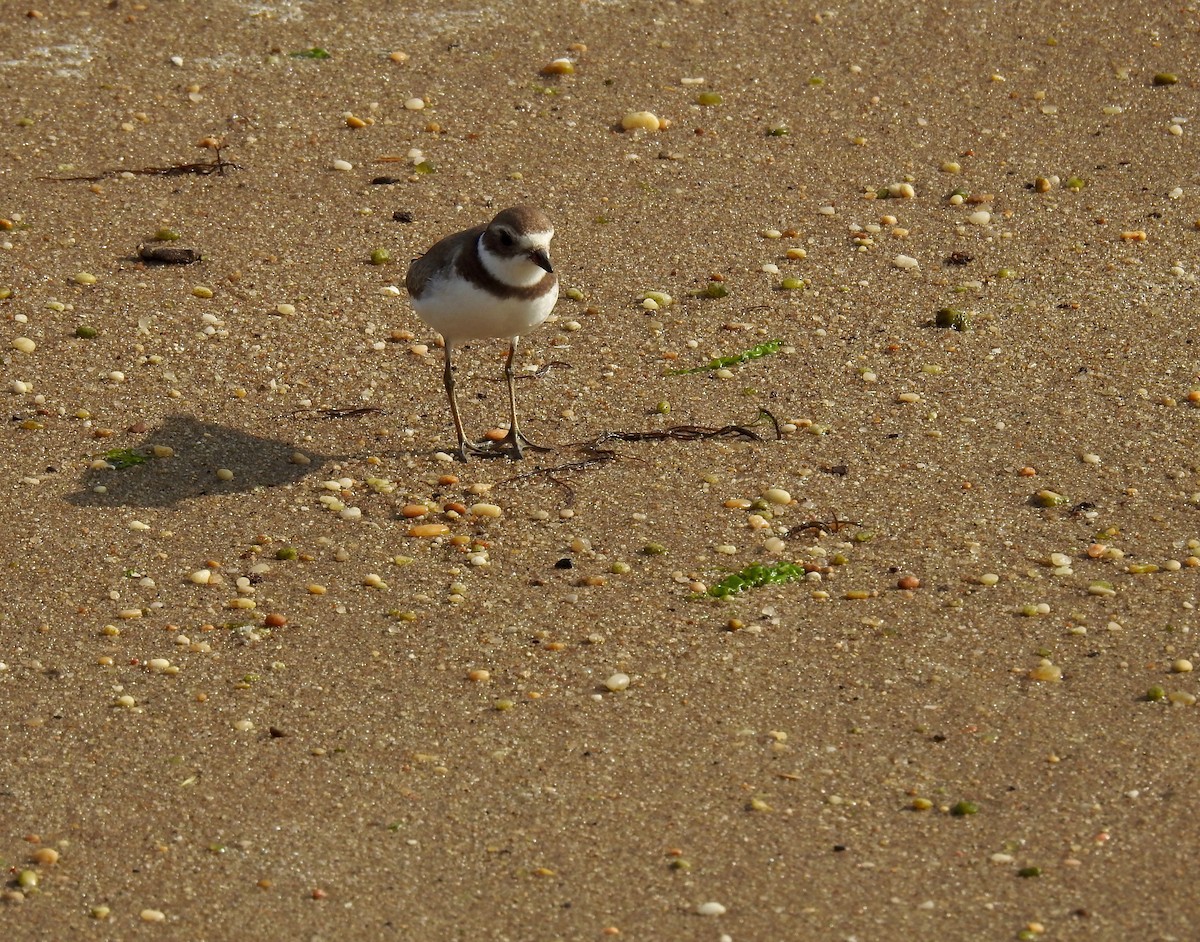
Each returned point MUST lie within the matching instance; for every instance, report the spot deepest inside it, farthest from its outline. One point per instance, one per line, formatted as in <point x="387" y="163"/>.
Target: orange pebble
<point x="428" y="529"/>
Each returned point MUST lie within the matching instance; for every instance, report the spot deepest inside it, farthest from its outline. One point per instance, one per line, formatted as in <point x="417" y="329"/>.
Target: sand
<point x="348" y="731"/>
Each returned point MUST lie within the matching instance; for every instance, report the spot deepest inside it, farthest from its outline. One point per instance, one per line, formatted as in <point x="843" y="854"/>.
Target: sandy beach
<point x="855" y="599"/>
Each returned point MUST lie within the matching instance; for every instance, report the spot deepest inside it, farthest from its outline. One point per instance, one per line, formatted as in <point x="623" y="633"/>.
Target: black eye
<point x="506" y="237"/>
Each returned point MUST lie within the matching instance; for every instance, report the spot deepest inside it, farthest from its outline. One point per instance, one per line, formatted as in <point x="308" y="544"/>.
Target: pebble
<point x="906" y="262"/>
<point x="485" y="510"/>
<point x="711" y="909"/>
<point x="414" y="104"/>
<point x="428" y="529"/>
<point x="45" y="856"/>
<point x="641" y="120"/>
<point x="617" y="682"/>
<point x="152" y="915"/>
<point x="1046" y="671"/>
<point x="342" y="165"/>
<point x="777" y="495"/>
<point x="24" y="344"/>
<point x="1181" y="666"/>
<point x="980" y="218"/>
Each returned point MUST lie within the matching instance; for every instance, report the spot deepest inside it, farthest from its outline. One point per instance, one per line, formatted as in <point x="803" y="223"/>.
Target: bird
<point x="491" y="281"/>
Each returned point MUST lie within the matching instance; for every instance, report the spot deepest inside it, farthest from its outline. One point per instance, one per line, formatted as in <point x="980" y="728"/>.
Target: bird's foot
<point x="518" y="442"/>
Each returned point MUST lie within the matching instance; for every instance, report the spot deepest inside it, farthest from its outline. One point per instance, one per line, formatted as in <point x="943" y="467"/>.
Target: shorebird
<point x="491" y="281"/>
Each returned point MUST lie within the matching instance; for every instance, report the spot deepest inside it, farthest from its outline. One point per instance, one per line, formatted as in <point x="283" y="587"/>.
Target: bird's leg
<point x="464" y="447"/>
<point x="515" y="437"/>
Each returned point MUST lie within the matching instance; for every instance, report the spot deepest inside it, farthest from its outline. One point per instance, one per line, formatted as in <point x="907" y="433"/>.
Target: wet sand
<point x="242" y="700"/>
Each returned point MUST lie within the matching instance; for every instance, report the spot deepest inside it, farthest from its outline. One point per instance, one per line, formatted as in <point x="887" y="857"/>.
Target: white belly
<point x="459" y="311"/>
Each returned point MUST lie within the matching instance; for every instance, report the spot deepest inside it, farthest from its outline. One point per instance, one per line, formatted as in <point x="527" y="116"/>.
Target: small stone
<point x="428" y="530"/>
<point x="711" y="909"/>
<point x="45" y="856"/>
<point x="1181" y="666"/>
<point x="342" y="165"/>
<point x="617" y="682"/>
<point x="906" y="262"/>
<point x="908" y="582"/>
<point x="641" y="120"/>
<point x="777" y="495"/>
<point x="24" y="344"/>
<point x="1046" y="671"/>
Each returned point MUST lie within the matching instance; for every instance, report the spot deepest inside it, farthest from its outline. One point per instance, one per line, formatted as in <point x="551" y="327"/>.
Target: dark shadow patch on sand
<point x="199" y="449"/>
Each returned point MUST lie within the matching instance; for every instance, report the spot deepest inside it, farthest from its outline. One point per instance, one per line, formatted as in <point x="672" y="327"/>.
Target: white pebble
<point x="710" y="909"/>
<point x="342" y="165"/>
<point x="981" y="218"/>
<point x="907" y="262"/>
<point x="201" y="576"/>
<point x="617" y="682"/>
<point x="24" y="344"/>
<point x="414" y="104"/>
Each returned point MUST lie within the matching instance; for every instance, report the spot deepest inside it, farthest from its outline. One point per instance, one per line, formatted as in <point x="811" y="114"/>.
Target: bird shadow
<point x="179" y="460"/>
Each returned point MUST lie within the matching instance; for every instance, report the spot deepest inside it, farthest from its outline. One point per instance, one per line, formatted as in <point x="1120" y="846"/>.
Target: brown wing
<point x="440" y="257"/>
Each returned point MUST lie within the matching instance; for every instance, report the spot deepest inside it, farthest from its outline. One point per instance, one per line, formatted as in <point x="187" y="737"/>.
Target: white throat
<point x="520" y="271"/>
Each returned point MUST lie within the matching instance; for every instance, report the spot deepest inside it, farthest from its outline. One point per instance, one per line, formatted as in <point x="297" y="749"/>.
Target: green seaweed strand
<point x="755" y="576"/>
<point x="720" y="363"/>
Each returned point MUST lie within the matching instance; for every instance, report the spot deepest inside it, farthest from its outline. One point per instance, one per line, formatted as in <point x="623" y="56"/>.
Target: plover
<point x="491" y="281"/>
